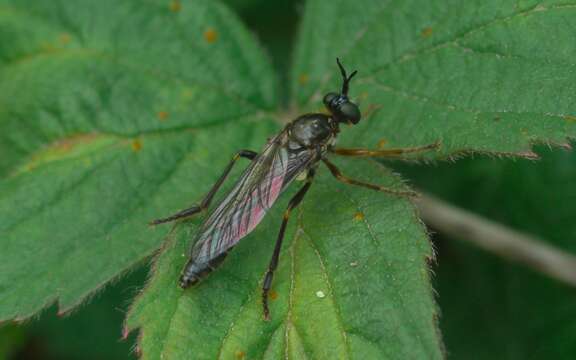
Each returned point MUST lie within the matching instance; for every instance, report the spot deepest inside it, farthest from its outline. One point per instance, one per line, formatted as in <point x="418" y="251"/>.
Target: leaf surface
<point x="483" y="76"/>
<point x="116" y="112"/>
<point x="351" y="284"/>
<point x="111" y="114"/>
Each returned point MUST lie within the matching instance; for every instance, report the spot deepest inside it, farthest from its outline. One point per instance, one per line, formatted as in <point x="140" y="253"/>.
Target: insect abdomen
<point x="194" y="272"/>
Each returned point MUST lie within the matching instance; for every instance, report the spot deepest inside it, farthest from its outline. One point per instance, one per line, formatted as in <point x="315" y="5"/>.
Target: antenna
<point x="346" y="79"/>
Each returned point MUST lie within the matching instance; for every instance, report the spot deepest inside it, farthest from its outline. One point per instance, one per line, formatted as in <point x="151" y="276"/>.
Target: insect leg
<point x="208" y="198"/>
<point x="274" y="261"/>
<point x="384" y="152"/>
<point x="338" y="175"/>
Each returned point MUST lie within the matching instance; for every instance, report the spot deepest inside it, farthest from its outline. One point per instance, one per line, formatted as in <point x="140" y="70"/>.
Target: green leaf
<point x="352" y="282"/>
<point x="488" y="76"/>
<point x="116" y="112"/>
<point x="112" y="113"/>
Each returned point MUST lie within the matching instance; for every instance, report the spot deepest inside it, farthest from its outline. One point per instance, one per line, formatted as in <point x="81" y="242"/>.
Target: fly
<point x="296" y="151"/>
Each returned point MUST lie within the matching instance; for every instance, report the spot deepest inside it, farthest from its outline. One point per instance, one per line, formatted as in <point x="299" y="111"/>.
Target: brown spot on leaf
<point x="64" y="38"/>
<point x="210" y="35"/>
<point x="162" y="115"/>
<point x="240" y="354"/>
<point x="426" y="32"/>
<point x="371" y="110"/>
<point x="136" y="145"/>
<point x="186" y="94"/>
<point x="303" y="79"/>
<point x="59" y="149"/>
<point x="70" y="143"/>
<point x="175" y="6"/>
<point x="382" y="143"/>
<point x="273" y="295"/>
<point x="359" y="216"/>
<point x="48" y="47"/>
<point x="570" y="118"/>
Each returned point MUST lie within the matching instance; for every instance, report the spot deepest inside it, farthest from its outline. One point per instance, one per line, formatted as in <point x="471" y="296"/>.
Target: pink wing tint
<point x="246" y="204"/>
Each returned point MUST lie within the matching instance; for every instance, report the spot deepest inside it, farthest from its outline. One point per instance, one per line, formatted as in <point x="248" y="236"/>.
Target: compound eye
<point x="329" y="98"/>
<point x="350" y="112"/>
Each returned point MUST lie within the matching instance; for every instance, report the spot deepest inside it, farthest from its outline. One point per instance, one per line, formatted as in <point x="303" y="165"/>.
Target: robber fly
<point x="296" y="151"/>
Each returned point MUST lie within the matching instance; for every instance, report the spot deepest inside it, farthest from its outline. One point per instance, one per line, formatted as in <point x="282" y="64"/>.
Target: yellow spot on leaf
<point x="273" y="295"/>
<point x="570" y="118"/>
<point x="359" y="216"/>
<point x="426" y="32"/>
<point x="371" y="110"/>
<point x="162" y="115"/>
<point x="71" y="142"/>
<point x="136" y="145"/>
<point x="64" y="38"/>
<point x="382" y="143"/>
<point x="186" y="94"/>
<point x="240" y="354"/>
<point x="303" y="79"/>
<point x="47" y="47"/>
<point x="210" y="35"/>
<point x="63" y="148"/>
<point x="175" y="6"/>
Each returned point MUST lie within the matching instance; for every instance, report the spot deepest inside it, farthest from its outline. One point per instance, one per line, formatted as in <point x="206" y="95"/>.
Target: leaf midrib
<point x="173" y="131"/>
<point x="423" y="99"/>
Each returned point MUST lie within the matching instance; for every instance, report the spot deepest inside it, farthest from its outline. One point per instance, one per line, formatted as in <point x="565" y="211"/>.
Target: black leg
<point x="274" y="261"/>
<point x="208" y="198"/>
<point x="338" y="175"/>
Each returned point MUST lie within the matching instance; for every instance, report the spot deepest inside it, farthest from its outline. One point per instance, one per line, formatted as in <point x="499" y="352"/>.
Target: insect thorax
<point x="313" y="130"/>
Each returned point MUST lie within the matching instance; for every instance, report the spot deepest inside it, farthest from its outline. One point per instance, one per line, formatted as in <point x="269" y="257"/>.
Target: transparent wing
<point x="246" y="204"/>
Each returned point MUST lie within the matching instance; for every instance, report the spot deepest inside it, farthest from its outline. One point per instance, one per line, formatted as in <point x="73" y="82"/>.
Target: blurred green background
<point x="490" y="308"/>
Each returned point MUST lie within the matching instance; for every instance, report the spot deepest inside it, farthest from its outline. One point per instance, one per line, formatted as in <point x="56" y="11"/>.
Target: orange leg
<point x="338" y="175"/>
<point x="385" y="152"/>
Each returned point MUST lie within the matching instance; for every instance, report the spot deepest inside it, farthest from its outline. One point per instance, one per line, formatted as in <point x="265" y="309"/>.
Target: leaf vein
<point x="451" y="107"/>
<point x="411" y="55"/>
<point x="330" y="289"/>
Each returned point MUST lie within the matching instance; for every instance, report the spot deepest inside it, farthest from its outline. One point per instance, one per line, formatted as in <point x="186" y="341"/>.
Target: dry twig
<point x="498" y="239"/>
